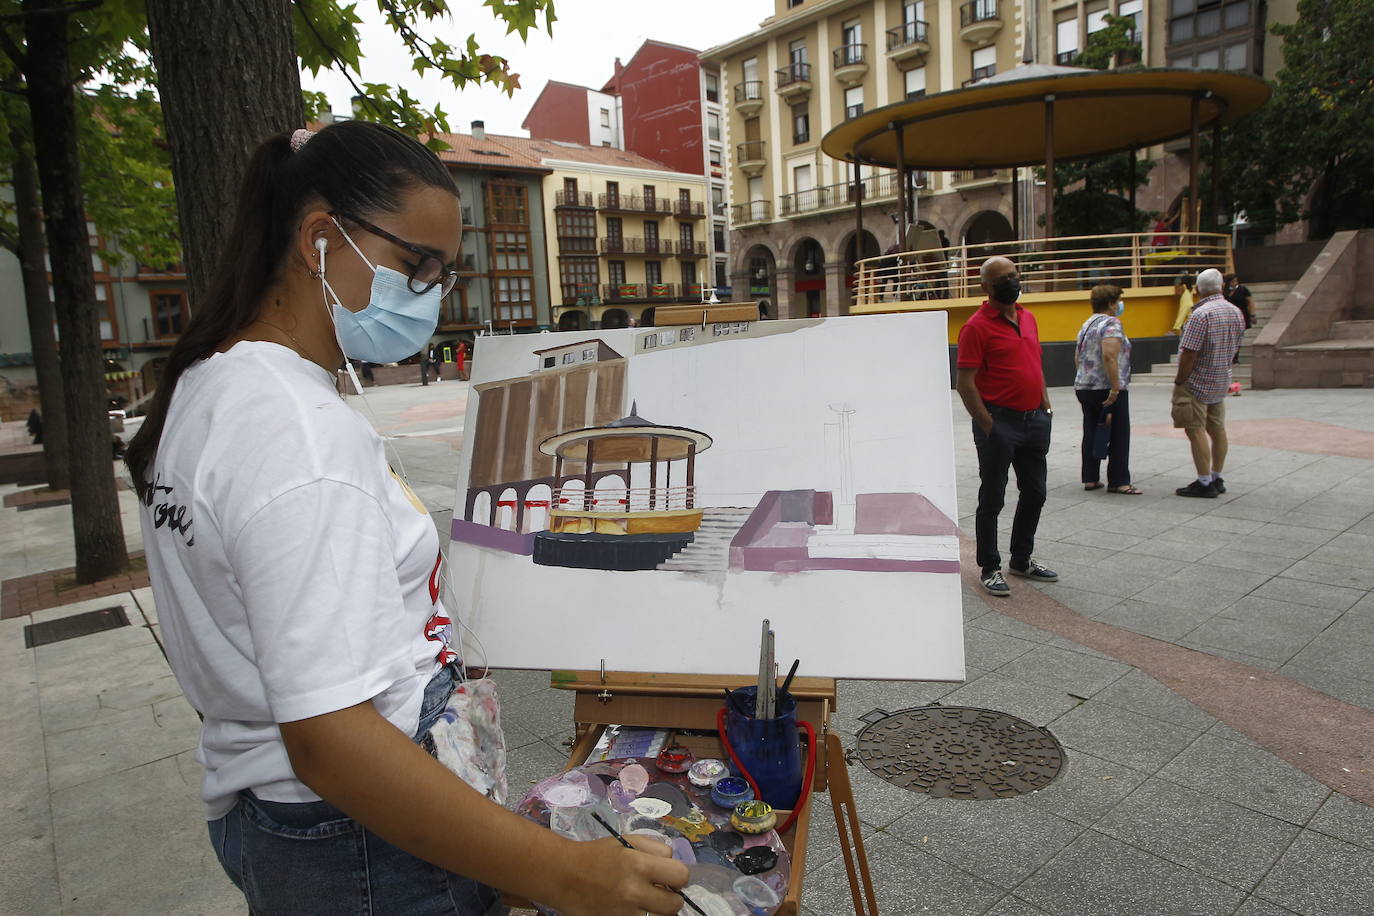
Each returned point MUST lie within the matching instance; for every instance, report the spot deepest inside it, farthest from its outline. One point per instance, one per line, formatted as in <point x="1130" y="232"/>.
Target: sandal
<point x="1092" y="486"/>
<point x="1127" y="490"/>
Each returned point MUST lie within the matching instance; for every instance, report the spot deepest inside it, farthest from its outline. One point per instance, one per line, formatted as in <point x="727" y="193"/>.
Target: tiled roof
<point x="577" y="152"/>
<point x="490" y="153"/>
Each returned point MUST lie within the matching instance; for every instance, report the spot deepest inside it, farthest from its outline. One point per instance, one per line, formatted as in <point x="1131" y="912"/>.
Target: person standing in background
<point x="1103" y="360"/>
<point x="1002" y="384"/>
<point x="1205" y="352"/>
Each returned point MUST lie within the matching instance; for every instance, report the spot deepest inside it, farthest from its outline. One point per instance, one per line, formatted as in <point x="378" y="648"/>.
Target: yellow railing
<point x="1046" y="265"/>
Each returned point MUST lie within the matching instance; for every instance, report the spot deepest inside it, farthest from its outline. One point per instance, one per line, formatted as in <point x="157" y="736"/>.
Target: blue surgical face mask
<point x="396" y="324"/>
<point x="1120" y="307"/>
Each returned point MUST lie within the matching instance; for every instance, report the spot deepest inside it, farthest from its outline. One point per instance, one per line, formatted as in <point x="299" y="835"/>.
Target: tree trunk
<point x="42" y="337"/>
<point x="99" y="534"/>
<point x="228" y="78"/>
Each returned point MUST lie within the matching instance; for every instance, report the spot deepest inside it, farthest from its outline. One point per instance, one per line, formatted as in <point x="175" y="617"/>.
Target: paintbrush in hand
<point x="626" y="843"/>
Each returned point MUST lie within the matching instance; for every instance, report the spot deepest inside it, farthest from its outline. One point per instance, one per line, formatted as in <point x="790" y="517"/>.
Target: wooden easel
<point x="683" y="702"/>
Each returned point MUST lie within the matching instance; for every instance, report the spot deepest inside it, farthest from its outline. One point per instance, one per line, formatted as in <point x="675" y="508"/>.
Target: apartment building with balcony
<point x="627" y="234"/>
<point x="668" y="106"/>
<point x="812" y="65"/>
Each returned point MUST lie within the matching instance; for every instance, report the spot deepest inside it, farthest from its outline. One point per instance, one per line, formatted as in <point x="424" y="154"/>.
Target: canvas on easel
<point x="647" y="496"/>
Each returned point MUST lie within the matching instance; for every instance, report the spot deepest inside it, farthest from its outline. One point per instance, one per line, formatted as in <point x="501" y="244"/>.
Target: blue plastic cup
<point x="769" y="748"/>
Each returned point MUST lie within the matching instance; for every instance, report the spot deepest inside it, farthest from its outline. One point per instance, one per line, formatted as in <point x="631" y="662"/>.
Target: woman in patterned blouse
<point x="1103" y="358"/>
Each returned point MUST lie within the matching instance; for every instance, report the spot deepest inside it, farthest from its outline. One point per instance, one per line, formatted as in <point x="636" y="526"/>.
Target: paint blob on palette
<point x="730" y="873"/>
<point x="801" y="471"/>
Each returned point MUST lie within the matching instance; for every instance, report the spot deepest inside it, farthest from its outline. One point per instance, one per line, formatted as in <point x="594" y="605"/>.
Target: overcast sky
<point x="587" y="38"/>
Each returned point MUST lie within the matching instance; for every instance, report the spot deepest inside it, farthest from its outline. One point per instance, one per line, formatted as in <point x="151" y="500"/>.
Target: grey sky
<point x="587" y="37"/>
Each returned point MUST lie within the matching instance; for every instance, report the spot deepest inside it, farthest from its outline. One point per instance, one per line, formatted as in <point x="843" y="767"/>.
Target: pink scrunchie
<point x="299" y="139"/>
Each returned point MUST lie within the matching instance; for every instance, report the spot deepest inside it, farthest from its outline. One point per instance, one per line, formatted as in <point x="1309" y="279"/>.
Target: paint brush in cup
<point x="626" y="843"/>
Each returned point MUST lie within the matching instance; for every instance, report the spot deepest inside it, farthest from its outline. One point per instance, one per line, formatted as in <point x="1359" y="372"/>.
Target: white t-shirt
<point x="294" y="573"/>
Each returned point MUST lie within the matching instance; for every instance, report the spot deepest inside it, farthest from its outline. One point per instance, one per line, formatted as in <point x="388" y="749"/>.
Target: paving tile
<point x="1274" y="641"/>
<point x="1073" y="672"/>
<point x="1126" y="737"/>
<point x="546" y="713"/>
<point x="1342" y="556"/>
<point x="1251" y="543"/>
<point x="1314" y="569"/>
<point x="1192" y="595"/>
<point x="1086" y="788"/>
<point x="1313" y="536"/>
<point x="1320" y="875"/>
<point x="1099" y="875"/>
<point x="1353" y="628"/>
<point x="526" y="766"/>
<point x="1345" y="819"/>
<point x="908" y="882"/>
<point x="1223" y="524"/>
<point x="1035" y="703"/>
<point x="1139" y="692"/>
<point x="519" y="682"/>
<point x="987" y="649"/>
<point x="1098" y="540"/>
<point x="1148" y="619"/>
<point x="1082" y="601"/>
<point x="823" y="839"/>
<point x="1254" y="661"/>
<point x="1207" y="835"/>
<point x="1001" y="841"/>
<point x="28" y="873"/>
<point x="1248" y="776"/>
<point x="1014" y="906"/>
<point x="1231" y="558"/>
<point x="1283" y="613"/>
<point x="1171" y="550"/>
<point x="1059" y="642"/>
<point x="1254" y="906"/>
<point x="1222" y="730"/>
<point x="120" y="743"/>
<point x="1132" y="561"/>
<point x="878" y="802"/>
<point x="1222" y="577"/>
<point x="1330" y="651"/>
<point x="1010" y="626"/>
<point x="1312" y="593"/>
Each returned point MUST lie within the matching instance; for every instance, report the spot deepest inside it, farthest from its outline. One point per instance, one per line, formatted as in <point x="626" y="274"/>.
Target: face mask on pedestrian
<point x="1006" y="290"/>
<point x="1120" y="307"/>
<point x="396" y="322"/>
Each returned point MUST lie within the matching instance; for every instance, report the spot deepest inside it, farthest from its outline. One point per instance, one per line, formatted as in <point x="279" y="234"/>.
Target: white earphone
<point x="321" y="246"/>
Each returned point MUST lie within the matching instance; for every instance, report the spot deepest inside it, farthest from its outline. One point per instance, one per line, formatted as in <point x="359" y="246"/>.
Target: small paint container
<point x="753" y="817"/>
<point x="675" y="759"/>
<point x="706" y="772"/>
<point x="758" y="898"/>
<point x="729" y="791"/>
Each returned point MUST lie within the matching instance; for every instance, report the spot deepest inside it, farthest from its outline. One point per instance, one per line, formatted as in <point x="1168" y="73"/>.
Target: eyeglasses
<point x="427" y="273"/>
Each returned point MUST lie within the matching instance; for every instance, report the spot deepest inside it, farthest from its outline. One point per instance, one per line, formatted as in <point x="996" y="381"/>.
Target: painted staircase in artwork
<point x="710" y="548"/>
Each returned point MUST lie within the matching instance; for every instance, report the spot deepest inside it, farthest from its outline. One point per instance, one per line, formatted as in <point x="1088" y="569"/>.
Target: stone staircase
<point x="1265" y="299"/>
<point x="710" y="549"/>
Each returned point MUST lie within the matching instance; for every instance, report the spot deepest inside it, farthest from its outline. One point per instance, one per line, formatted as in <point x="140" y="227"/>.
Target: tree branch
<point x="342" y="67"/>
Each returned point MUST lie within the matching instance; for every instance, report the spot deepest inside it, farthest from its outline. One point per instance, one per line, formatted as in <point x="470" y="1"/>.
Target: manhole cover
<point x="959" y="752"/>
<point x="50" y="631"/>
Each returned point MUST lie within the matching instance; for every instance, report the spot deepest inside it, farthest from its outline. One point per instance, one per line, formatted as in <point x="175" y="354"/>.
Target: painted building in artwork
<point x="510" y="481"/>
<point x="813" y="64"/>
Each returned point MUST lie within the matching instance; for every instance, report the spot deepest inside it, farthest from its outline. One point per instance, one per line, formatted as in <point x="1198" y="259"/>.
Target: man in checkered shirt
<point x="1209" y="343"/>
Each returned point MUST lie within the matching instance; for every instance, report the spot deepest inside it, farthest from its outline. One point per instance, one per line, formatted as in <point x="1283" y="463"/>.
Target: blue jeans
<point x="313" y="858"/>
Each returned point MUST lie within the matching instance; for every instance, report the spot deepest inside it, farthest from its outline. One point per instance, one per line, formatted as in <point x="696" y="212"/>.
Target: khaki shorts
<point x="1190" y="413"/>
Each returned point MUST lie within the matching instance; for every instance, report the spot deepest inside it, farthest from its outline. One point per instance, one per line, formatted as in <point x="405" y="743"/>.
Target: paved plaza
<point x="1212" y="796"/>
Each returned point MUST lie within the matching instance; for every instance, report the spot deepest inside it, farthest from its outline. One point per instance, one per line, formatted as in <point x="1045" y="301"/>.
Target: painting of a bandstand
<point x="565" y="472"/>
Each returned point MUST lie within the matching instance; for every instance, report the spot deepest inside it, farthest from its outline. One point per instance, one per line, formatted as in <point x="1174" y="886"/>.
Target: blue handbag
<point x="1102" y="434"/>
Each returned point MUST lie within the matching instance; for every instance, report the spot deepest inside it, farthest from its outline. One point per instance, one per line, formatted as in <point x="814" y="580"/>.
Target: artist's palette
<point x="730" y="874"/>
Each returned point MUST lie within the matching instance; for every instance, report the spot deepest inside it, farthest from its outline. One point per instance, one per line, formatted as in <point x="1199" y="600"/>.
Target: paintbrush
<point x="790" y="674"/>
<point x="626" y="843"/>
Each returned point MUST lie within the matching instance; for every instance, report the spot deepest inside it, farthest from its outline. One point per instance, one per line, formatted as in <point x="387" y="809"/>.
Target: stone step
<point x="1353" y="330"/>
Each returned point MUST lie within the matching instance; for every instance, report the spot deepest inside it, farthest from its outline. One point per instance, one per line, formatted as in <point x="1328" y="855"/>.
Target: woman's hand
<point x="1111" y="397"/>
<point x="615" y="881"/>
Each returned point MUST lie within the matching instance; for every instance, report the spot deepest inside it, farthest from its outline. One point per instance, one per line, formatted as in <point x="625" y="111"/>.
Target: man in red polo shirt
<point x="1003" y="387"/>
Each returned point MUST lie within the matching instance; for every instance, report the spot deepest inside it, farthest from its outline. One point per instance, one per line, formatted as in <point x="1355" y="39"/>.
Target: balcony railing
<point x="573" y="199"/>
<point x="640" y="292"/>
<point x="749" y="91"/>
<point x="906" y="34"/>
<point x="981" y="73"/>
<point x="753" y="211"/>
<point x="691" y="209"/>
<point x="977" y="11"/>
<point x="627" y="245"/>
<point x="1065" y="58"/>
<point x="581" y="293"/>
<point x="967" y="176"/>
<point x="633" y="203"/>
<point x="693" y="249"/>
<point x="850" y="55"/>
<point x="1074" y="263"/>
<point x="616" y="501"/>
<point x="795" y="72"/>
<point x="750" y="151"/>
<point x="575" y="243"/>
<point x="453" y="312"/>
<point x="876" y="187"/>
